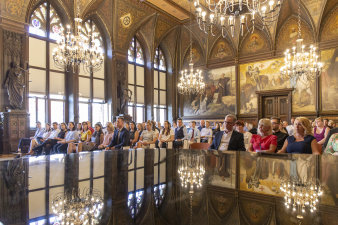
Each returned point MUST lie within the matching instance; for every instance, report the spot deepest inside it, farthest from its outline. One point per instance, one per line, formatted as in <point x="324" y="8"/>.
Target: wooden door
<point x="275" y="106"/>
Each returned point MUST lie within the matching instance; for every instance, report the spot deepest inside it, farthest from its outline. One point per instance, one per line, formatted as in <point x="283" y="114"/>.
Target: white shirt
<point x="290" y="129"/>
<point x="167" y="137"/>
<point x="197" y="133"/>
<point x="247" y="138"/>
<point x="54" y="134"/>
<point x="225" y="141"/>
<point x="206" y="132"/>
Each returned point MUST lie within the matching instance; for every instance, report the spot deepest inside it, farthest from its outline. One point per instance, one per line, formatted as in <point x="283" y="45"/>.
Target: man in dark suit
<point x="121" y="136"/>
<point x="229" y="139"/>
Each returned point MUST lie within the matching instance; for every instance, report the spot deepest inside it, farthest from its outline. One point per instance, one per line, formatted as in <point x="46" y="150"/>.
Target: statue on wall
<point x="15" y="85"/>
<point x="125" y="98"/>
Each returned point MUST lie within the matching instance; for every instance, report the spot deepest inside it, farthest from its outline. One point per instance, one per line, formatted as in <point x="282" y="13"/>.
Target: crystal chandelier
<point x="191" y="81"/>
<point x="301" y="195"/>
<point x="300" y="62"/>
<point x="75" y="49"/>
<point x="225" y="13"/>
<point x="78" y="208"/>
<point x="191" y="170"/>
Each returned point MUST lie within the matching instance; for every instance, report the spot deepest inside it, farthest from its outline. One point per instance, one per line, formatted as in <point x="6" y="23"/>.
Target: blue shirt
<point x="301" y="147"/>
<point x="72" y="135"/>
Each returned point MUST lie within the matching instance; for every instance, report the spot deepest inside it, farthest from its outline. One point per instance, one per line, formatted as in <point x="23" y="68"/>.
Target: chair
<point x="200" y="146"/>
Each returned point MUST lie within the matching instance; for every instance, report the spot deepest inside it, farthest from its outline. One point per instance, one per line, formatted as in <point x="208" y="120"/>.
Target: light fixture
<point x="225" y="13"/>
<point x="191" y="81"/>
<point x="300" y="196"/>
<point x="79" y="48"/>
<point x="299" y="62"/>
<point x="78" y="208"/>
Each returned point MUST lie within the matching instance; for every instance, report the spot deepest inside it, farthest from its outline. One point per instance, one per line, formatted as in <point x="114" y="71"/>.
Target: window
<point x="136" y="107"/>
<point x="135" y="181"/>
<point x="160" y="87"/>
<point x="92" y="101"/>
<point x="47" y="82"/>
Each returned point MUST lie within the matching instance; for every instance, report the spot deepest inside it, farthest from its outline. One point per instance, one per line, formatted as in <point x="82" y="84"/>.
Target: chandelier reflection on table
<point x="191" y="81"/>
<point x="78" y="208"/>
<point x="301" y="195"/>
<point x="75" y="49"/>
<point x="191" y="170"/>
<point x="224" y="13"/>
<point x="299" y="62"/>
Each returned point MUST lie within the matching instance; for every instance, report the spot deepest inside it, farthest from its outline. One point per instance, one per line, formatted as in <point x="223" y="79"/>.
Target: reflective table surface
<point x="166" y="186"/>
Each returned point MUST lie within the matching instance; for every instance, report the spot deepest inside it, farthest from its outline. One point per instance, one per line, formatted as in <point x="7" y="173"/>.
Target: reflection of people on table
<point x="263" y="141"/>
<point x="303" y="140"/>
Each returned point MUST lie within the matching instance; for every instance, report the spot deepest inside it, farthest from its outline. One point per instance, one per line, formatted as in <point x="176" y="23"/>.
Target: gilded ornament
<point x="126" y="20"/>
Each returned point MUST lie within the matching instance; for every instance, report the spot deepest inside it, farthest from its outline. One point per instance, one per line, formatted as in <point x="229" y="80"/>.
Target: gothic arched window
<point x="136" y="106"/>
<point x="160" y="87"/>
<point x="47" y="82"/>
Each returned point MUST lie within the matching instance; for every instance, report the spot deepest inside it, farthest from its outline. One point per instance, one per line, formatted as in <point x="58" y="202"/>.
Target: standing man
<point x="202" y="125"/>
<point x="281" y="136"/>
<point x="180" y="134"/>
<point x="194" y="133"/>
<point x="121" y="136"/>
<point x="229" y="139"/>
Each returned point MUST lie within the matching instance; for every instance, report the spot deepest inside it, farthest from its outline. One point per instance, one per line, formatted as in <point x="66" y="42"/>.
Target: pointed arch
<point x="136" y="80"/>
<point x="221" y="49"/>
<point x="257" y="42"/>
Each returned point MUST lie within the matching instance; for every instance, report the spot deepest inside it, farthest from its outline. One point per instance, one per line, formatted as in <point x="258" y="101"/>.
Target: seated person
<point x="180" y="134"/>
<point x="71" y="136"/>
<point x="239" y="125"/>
<point x="55" y="136"/>
<point x="281" y="136"/>
<point x="332" y="145"/>
<point x="331" y="132"/>
<point x="206" y="132"/>
<point x="121" y="136"/>
<point x="38" y="140"/>
<point x="320" y="131"/>
<point x="166" y="135"/>
<point x="133" y="133"/>
<point x="302" y="141"/>
<point x="229" y="139"/>
<point x="108" y="136"/>
<point x="96" y="140"/>
<point x="194" y="133"/>
<point x="85" y="136"/>
<point x="26" y="141"/>
<point x="147" y="137"/>
<point x="263" y="141"/>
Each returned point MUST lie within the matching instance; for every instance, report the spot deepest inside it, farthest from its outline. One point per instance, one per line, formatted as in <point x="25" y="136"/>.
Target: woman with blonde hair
<point x="302" y="141"/>
<point x="320" y="131"/>
<point x="263" y="141"/>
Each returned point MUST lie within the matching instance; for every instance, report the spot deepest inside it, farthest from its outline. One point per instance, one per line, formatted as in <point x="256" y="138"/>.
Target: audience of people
<point x="230" y="135"/>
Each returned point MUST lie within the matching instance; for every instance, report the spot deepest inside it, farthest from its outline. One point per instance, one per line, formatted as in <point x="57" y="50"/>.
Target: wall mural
<point x="259" y="76"/>
<point x="329" y="79"/>
<point x="265" y="75"/>
<point x="289" y="34"/>
<point x="221" y="50"/>
<point x="254" y="43"/>
<point x="219" y="97"/>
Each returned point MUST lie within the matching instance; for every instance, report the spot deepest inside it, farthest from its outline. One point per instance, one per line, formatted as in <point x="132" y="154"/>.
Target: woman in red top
<point x="264" y="141"/>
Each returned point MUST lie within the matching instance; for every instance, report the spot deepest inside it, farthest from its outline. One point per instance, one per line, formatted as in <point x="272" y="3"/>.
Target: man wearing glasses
<point x="229" y="139"/>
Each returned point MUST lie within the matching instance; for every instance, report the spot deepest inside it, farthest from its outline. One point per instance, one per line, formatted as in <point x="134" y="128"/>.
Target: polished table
<point x="144" y="186"/>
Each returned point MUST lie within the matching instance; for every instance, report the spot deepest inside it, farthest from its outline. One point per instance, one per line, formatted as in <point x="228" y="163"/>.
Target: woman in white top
<point x="239" y="125"/>
<point x="206" y="133"/>
<point x="147" y="137"/>
<point x="166" y="135"/>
